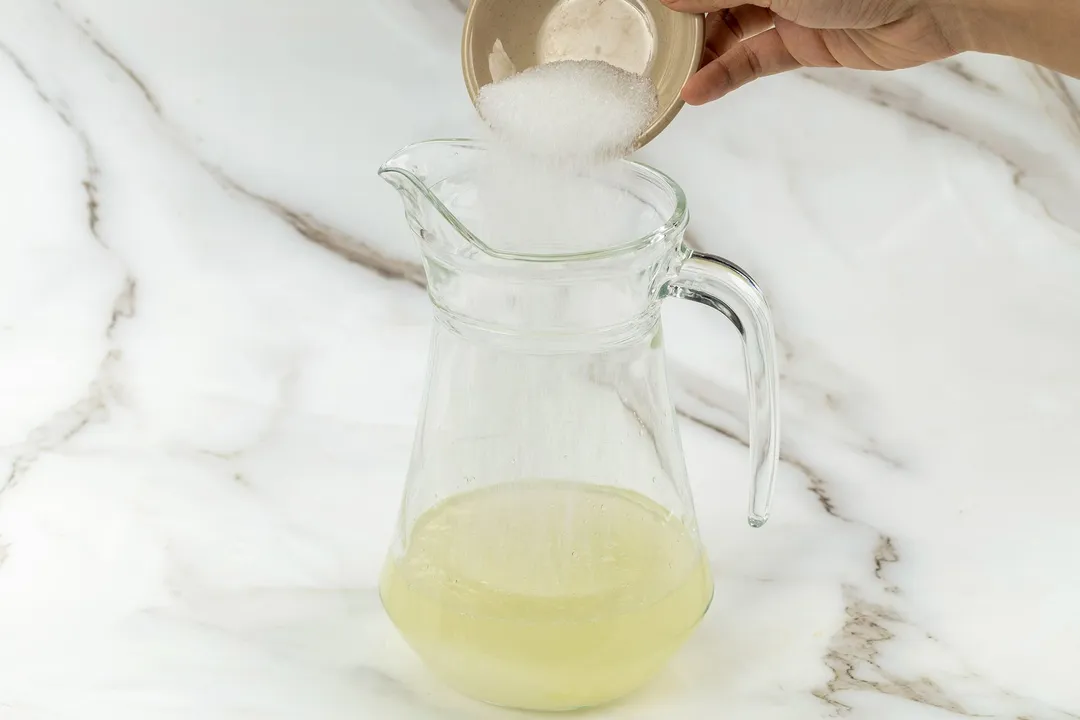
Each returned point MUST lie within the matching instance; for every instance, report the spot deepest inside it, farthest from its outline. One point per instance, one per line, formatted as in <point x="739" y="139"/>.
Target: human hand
<point x="748" y="39"/>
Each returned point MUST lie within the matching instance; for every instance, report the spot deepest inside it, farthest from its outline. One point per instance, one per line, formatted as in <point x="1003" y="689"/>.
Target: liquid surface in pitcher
<point x="547" y="595"/>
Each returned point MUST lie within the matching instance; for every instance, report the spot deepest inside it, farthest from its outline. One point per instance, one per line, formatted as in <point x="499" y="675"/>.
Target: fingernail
<point x="690" y="97"/>
<point x="693" y="94"/>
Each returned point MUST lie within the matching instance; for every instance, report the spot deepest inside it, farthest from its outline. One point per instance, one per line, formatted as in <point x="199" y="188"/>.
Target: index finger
<point x="705" y="6"/>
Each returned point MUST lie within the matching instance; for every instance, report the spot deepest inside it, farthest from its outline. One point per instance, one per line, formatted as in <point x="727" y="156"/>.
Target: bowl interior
<point x="503" y="37"/>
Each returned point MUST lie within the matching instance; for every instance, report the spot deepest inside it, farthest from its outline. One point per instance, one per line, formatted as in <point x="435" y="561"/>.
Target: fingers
<point x="810" y="47"/>
<point x="704" y="6"/>
<point x="756" y="57"/>
<point x="727" y="28"/>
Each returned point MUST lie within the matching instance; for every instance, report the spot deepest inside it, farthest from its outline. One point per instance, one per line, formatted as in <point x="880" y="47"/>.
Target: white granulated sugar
<point x="548" y="184"/>
<point x="576" y="111"/>
<point x="499" y="63"/>
<point x="530" y="207"/>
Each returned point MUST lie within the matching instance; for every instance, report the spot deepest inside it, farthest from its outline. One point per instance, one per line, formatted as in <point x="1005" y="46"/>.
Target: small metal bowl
<point x="502" y="37"/>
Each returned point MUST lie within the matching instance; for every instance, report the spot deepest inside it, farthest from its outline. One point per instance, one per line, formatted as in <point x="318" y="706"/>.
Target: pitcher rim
<point x="676" y="221"/>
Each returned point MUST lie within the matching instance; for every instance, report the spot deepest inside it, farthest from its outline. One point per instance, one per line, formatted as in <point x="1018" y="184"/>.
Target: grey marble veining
<point x="212" y="338"/>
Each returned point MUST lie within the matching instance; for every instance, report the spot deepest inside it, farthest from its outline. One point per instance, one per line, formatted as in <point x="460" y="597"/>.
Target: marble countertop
<point x="213" y="340"/>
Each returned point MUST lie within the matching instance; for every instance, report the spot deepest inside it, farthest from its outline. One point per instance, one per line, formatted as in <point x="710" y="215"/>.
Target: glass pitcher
<point x="547" y="555"/>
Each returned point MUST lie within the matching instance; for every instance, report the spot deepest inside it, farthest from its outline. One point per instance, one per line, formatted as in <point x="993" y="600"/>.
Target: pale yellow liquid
<point x="547" y="595"/>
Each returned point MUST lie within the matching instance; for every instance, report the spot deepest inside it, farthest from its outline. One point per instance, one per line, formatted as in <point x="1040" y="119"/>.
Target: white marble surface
<point x="213" y="337"/>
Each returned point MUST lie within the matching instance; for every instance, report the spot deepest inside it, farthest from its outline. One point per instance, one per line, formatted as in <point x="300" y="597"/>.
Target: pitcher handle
<point x="723" y="286"/>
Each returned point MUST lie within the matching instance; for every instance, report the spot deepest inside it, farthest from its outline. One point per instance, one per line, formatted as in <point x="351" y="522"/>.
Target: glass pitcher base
<point x="547" y="595"/>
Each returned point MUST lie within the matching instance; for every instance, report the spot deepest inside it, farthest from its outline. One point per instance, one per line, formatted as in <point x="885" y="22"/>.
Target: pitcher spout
<point x="407" y="173"/>
<point x="417" y="167"/>
<point x="416" y="172"/>
<point x="461" y="200"/>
